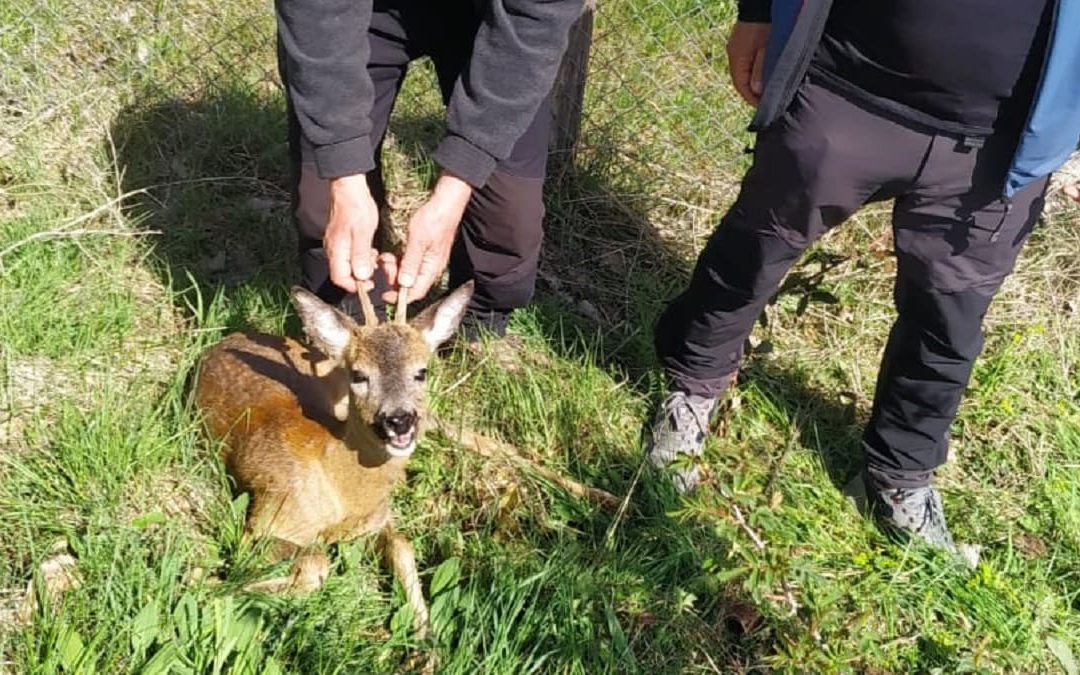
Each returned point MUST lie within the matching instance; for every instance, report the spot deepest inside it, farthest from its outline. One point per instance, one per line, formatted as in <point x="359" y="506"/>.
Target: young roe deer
<point x="319" y="437"/>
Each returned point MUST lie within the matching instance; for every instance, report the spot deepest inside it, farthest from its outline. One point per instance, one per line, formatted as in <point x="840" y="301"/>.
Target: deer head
<point x="386" y="365"/>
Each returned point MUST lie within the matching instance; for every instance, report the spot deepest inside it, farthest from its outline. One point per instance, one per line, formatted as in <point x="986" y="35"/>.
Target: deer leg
<point x="486" y="446"/>
<point x="399" y="553"/>
<point x="309" y="571"/>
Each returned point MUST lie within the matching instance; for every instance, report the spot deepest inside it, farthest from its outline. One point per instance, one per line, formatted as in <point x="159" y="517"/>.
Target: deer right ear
<point x="328" y="328"/>
<point x="438" y="322"/>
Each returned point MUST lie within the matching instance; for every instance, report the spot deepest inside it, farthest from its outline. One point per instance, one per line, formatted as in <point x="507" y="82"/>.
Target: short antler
<point x="402" y="304"/>
<point x="370" y="319"/>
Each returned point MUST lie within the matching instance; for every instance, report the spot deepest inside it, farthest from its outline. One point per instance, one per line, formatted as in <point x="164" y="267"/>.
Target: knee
<point x="743" y="260"/>
<point x="950" y="321"/>
<point x="507" y="215"/>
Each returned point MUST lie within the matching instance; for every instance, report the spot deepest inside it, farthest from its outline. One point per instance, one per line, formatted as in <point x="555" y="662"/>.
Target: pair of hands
<point x="746" y="62"/>
<point x="354" y="217"/>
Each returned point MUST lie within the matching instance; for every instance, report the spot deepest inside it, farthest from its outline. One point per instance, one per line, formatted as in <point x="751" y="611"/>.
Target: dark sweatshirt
<point x="967" y="67"/>
<point x="516" y="53"/>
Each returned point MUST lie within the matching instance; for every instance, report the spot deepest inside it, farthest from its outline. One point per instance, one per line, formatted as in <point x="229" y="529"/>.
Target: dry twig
<point x="789" y="595"/>
<point x="69" y="234"/>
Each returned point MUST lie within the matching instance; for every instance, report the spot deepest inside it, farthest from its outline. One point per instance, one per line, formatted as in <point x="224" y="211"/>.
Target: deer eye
<point x="358" y="377"/>
<point x="422" y="375"/>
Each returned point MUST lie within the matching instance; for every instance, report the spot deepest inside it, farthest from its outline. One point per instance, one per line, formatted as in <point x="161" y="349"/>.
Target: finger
<point x="757" y="76"/>
<point x="388" y="268"/>
<point x="741" y="69"/>
<point x="340" y="270"/>
<point x="362" y="263"/>
<point x="1072" y="191"/>
<point x="426" y="277"/>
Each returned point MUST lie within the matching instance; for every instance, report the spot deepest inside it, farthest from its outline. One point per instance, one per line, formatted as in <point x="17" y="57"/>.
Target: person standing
<point x="957" y="111"/>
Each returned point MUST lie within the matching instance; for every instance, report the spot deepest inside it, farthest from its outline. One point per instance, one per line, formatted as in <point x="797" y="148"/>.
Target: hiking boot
<point x="678" y="432"/>
<point x="908" y="512"/>
<point x="485" y="335"/>
<point x="478" y="325"/>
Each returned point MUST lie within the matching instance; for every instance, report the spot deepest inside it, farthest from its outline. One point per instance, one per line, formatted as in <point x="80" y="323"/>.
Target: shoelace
<point x="931" y="517"/>
<point x="935" y="515"/>
<point x="678" y="402"/>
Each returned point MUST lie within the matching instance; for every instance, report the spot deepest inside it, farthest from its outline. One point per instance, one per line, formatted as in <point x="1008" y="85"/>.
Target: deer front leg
<point x="308" y="573"/>
<point x="399" y="553"/>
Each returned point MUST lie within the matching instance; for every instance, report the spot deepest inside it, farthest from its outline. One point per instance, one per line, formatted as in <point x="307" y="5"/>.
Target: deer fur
<point x="319" y="435"/>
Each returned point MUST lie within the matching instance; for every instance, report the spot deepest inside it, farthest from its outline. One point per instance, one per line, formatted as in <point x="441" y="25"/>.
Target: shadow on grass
<point x="214" y="176"/>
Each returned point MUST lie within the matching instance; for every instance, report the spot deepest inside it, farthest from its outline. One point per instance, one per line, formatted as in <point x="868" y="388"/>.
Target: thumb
<point x="1072" y="191"/>
<point x="426" y="277"/>
<point x="409" y="267"/>
<point x="757" y="78"/>
<point x="362" y="267"/>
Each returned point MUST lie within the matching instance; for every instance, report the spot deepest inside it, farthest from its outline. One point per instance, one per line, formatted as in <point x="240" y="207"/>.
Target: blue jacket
<point x="1052" y="131"/>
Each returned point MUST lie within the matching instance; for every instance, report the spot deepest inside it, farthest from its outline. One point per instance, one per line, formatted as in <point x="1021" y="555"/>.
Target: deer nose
<point x="397" y="423"/>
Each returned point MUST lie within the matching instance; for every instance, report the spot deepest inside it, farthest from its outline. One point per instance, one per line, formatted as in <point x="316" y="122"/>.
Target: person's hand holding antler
<point x="430" y="237"/>
<point x="354" y="217"/>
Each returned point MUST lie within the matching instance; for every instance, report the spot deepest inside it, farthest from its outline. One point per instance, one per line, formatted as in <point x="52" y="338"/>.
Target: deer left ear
<point x="439" y="321"/>
<point x="329" y="329"/>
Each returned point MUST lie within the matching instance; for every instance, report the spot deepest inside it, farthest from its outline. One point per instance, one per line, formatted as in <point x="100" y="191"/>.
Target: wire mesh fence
<point x="182" y="100"/>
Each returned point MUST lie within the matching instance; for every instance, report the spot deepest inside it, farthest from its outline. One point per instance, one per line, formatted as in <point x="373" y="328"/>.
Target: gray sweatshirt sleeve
<point x="325" y="53"/>
<point x="515" y="58"/>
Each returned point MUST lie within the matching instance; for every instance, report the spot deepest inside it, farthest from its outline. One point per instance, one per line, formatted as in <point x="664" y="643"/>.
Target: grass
<point x="143" y="214"/>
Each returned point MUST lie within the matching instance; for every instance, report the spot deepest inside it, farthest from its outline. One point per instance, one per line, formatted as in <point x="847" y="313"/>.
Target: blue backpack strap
<point x="796" y="30"/>
<point x="1053" y="128"/>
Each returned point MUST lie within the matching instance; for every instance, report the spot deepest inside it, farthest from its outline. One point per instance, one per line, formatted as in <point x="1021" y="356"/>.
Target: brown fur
<point x="277" y="407"/>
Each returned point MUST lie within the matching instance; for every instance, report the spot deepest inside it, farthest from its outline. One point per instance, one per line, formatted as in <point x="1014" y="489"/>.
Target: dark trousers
<point x="501" y="232"/>
<point x="955" y="238"/>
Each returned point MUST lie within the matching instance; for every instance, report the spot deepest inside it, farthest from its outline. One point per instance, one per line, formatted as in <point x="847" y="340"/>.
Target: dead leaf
<point x="1030" y="545"/>
<point x="58" y="574"/>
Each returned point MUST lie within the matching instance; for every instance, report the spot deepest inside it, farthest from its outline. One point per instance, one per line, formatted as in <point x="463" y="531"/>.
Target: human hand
<point x="430" y="237"/>
<point x="746" y="59"/>
<point x="1072" y="191"/>
<point x="354" y="218"/>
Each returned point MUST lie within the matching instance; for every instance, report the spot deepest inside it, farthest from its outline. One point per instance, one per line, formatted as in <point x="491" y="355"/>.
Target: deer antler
<point x="402" y="304"/>
<point x="370" y="318"/>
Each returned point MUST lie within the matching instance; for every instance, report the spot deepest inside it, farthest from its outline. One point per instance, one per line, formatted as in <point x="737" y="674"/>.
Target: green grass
<point x="143" y="214"/>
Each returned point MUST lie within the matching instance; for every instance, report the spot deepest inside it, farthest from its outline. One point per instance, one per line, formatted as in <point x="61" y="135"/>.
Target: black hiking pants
<point x="955" y="238"/>
<point x="501" y="232"/>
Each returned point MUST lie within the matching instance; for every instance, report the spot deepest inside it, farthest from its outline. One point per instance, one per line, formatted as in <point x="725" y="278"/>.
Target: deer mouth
<point x="400" y="445"/>
<point x="398" y="430"/>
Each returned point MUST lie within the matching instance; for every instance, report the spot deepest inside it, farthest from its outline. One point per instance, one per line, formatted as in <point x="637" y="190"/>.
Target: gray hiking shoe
<point x="679" y="431"/>
<point x="914" y="512"/>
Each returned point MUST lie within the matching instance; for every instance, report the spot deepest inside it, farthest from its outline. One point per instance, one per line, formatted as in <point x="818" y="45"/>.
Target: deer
<point x="319" y="435"/>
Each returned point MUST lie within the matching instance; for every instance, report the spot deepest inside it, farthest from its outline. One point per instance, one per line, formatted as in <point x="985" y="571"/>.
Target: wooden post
<point x="568" y="95"/>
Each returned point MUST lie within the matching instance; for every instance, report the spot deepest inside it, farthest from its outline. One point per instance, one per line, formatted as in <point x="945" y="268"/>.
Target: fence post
<point x="568" y="94"/>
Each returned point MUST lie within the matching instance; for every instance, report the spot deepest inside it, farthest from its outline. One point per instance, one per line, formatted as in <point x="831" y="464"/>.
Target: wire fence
<point x="191" y="92"/>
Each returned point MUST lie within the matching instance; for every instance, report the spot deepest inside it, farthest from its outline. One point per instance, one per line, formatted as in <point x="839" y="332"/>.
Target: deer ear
<point x="328" y="328"/>
<point x="438" y="322"/>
